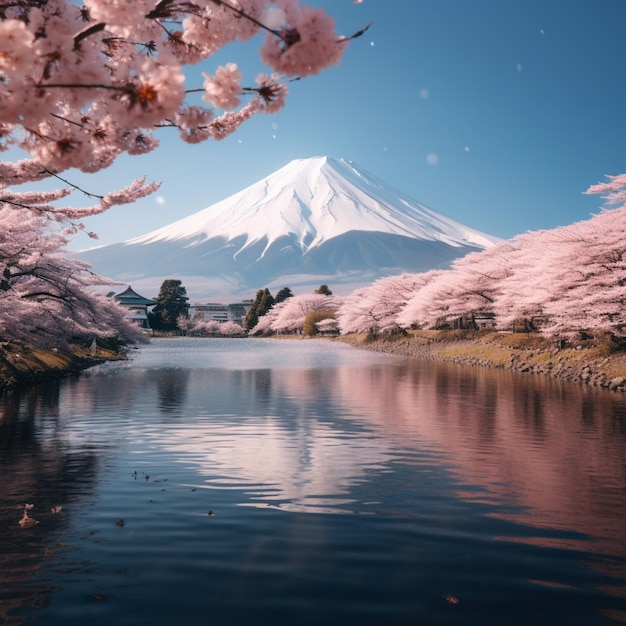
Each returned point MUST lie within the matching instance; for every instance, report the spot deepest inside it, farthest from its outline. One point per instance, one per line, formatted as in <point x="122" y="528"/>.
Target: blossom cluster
<point x="48" y="299"/>
<point x="81" y="84"/>
<point x="562" y="282"/>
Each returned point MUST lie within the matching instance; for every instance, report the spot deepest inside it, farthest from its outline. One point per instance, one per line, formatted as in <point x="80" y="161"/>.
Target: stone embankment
<point x="598" y="363"/>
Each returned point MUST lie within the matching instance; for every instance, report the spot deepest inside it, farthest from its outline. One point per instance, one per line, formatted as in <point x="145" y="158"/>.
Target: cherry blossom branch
<point x="67" y="182"/>
<point x="242" y="13"/>
<point x="87" y="32"/>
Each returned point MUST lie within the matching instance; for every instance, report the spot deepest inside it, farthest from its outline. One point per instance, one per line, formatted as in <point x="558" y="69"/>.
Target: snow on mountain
<point x="315" y="220"/>
<point x="316" y="200"/>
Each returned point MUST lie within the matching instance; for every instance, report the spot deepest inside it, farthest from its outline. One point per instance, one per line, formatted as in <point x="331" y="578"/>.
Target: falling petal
<point x="28" y="522"/>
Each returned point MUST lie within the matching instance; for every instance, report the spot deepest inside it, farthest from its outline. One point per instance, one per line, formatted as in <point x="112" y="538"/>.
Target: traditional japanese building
<point x="137" y="306"/>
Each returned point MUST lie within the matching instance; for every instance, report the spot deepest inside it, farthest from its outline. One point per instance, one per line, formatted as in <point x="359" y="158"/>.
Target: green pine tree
<point x="324" y="290"/>
<point x="283" y="294"/>
<point x="171" y="303"/>
<point x="261" y="304"/>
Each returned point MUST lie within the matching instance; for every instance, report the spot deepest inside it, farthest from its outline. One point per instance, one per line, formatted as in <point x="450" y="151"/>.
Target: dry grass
<point x="603" y="358"/>
<point x="22" y="365"/>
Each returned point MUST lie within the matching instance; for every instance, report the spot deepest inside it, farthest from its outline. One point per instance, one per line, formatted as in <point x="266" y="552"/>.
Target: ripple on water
<point x="314" y="485"/>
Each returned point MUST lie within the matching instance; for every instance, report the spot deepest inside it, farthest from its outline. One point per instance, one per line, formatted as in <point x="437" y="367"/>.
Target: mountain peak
<point x="317" y="220"/>
<point x="313" y="201"/>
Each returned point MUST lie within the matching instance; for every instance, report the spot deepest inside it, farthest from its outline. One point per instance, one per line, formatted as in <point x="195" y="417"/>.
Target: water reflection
<point x="172" y="388"/>
<point x="554" y="450"/>
<point x="548" y="455"/>
<point x="37" y="466"/>
<point x="355" y="434"/>
<point x="545" y="454"/>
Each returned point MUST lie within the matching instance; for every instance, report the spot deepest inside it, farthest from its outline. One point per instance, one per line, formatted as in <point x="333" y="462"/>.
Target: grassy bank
<point x="600" y="362"/>
<point x="22" y="366"/>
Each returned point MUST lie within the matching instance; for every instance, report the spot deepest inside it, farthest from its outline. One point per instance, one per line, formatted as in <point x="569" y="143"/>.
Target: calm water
<point x="304" y="482"/>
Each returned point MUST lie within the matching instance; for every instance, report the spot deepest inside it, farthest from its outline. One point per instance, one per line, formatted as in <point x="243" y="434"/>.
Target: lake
<point x="307" y="482"/>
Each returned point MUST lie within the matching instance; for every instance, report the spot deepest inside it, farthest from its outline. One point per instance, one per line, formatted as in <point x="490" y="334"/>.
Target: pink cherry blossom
<point x="561" y="282"/>
<point x="81" y="85"/>
<point x="614" y="191"/>
<point x="223" y="89"/>
<point x="272" y="92"/>
<point x="123" y="61"/>
<point x="288" y="316"/>
<point x="307" y="42"/>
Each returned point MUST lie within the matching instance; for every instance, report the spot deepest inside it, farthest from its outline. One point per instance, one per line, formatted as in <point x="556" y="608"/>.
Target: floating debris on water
<point x="27" y="521"/>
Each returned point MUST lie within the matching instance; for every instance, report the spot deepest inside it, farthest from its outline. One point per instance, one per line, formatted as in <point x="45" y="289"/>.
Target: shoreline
<point x="591" y="363"/>
<point x="588" y="362"/>
<point x="22" y="367"/>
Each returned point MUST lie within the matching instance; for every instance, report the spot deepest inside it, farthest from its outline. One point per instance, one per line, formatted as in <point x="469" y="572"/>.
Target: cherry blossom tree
<point x="289" y="315"/>
<point x="469" y="289"/>
<point x="588" y="286"/>
<point x="578" y="279"/>
<point x="613" y="191"/>
<point x="564" y="281"/>
<point x="571" y="278"/>
<point x="186" y="324"/>
<point x="415" y="311"/>
<point x="522" y="293"/>
<point x="46" y="298"/>
<point x="609" y="263"/>
<point x="200" y="327"/>
<point x="374" y="309"/>
<point x="81" y="84"/>
<point x="209" y="327"/>
<point x="231" y="328"/>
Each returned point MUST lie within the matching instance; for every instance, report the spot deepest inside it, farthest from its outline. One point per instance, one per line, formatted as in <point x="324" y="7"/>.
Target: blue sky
<point x="498" y="113"/>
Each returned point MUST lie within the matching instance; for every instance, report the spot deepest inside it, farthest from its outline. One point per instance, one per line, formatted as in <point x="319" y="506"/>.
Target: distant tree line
<point x="565" y="282"/>
<point x="568" y="281"/>
<point x="288" y="314"/>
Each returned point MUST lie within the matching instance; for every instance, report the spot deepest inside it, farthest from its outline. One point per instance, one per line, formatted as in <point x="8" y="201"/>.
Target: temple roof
<point x="128" y="297"/>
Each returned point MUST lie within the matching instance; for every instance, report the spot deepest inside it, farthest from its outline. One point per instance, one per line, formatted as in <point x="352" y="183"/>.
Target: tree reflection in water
<point x="39" y="467"/>
<point x="544" y="457"/>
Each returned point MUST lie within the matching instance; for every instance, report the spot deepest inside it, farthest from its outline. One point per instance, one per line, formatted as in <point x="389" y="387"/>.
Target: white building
<point x="235" y="312"/>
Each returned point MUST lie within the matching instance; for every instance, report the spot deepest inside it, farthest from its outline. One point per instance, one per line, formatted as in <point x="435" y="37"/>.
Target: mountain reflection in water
<point x="325" y="429"/>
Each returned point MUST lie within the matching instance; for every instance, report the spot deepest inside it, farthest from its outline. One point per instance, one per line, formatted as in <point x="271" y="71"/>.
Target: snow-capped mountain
<point x="317" y="220"/>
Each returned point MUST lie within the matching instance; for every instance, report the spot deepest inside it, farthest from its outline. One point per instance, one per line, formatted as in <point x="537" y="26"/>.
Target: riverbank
<point x="600" y="363"/>
<point x="22" y="366"/>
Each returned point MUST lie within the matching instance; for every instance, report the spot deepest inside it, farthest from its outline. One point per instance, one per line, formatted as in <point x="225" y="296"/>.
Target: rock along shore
<point x="598" y="363"/>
